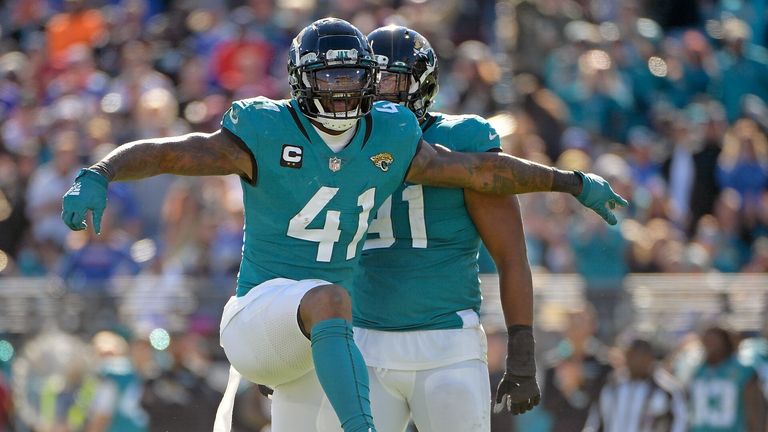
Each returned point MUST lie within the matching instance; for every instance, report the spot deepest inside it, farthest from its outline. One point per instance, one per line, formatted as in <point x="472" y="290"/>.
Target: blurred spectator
<point x="744" y="67"/>
<point x="241" y="67"/>
<point x="711" y="117"/>
<point x="729" y="251"/>
<point x="96" y="259"/>
<point x="646" y="170"/>
<point x="680" y="170"/>
<point x="753" y="352"/>
<point x="759" y="261"/>
<point x="115" y="405"/>
<point x="6" y="404"/>
<point x="13" y="220"/>
<point x="77" y="24"/>
<point x="743" y="163"/>
<point x="724" y="393"/>
<point x="640" y="398"/>
<point x="576" y="371"/>
<point x="599" y="252"/>
<point x="56" y="383"/>
<point x="472" y="75"/>
<point x="179" y="398"/>
<point x="547" y="112"/>
<point x="46" y="185"/>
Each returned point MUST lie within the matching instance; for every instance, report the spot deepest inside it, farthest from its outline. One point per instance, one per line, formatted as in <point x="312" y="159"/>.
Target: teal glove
<point x="89" y="192"/>
<point x="597" y="194"/>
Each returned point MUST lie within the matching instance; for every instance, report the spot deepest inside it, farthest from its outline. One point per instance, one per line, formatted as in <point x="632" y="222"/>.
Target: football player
<point x="314" y="169"/>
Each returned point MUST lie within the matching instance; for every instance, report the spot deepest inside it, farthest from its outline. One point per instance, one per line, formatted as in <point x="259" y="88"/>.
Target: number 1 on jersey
<point x="382" y="225"/>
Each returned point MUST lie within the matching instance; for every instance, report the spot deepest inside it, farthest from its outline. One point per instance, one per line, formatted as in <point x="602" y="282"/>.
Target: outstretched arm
<point x="502" y="174"/>
<point x="489" y="172"/>
<point x="197" y="154"/>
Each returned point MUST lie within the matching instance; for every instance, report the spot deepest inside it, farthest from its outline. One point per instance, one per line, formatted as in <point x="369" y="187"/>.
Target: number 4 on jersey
<point x="329" y="234"/>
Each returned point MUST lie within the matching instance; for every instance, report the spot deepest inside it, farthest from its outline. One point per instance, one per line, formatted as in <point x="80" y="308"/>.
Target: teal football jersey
<point x="717" y="397"/>
<point x="308" y="210"/>
<point x="419" y="264"/>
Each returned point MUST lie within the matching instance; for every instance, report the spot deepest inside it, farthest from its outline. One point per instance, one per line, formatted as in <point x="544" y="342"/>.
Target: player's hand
<point x="518" y="390"/>
<point x="517" y="394"/>
<point x="89" y="192"/>
<point x="597" y="194"/>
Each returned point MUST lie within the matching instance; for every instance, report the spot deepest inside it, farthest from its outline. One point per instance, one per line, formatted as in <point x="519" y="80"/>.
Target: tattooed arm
<point x="195" y="154"/>
<point x="494" y="173"/>
<point x="502" y="174"/>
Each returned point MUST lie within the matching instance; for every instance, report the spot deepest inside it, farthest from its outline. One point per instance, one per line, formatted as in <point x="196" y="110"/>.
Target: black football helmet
<point x="408" y="56"/>
<point x="332" y="73"/>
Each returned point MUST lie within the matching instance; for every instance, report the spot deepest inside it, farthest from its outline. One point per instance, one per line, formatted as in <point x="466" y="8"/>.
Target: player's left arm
<point x="503" y="174"/>
<point x="500" y="225"/>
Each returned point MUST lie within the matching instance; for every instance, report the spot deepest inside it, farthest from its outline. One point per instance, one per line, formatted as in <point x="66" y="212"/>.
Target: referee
<point x="642" y="398"/>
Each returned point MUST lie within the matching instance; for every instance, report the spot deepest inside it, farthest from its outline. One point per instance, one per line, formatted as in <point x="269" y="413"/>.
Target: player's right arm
<point x="195" y="154"/>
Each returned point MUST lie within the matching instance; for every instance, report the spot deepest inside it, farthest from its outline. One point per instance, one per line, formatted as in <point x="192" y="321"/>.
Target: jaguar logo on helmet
<point x="341" y="56"/>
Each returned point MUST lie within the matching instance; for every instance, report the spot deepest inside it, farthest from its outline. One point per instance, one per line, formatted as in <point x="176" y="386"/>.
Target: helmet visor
<point x="340" y="90"/>
<point x="393" y="86"/>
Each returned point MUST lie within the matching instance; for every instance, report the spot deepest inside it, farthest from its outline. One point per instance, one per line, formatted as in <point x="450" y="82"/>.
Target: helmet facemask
<point x="336" y="96"/>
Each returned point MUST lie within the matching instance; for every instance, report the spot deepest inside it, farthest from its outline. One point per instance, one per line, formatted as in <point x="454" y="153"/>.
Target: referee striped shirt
<point x="655" y="404"/>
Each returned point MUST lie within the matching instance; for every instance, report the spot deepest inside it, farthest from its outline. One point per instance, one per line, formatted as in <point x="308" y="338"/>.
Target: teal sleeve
<point x="489" y="139"/>
<point x="241" y="119"/>
<point x="480" y="136"/>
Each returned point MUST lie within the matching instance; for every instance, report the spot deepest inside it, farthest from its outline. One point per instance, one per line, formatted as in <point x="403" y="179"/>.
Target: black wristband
<point x="520" y="351"/>
<point x="105" y="169"/>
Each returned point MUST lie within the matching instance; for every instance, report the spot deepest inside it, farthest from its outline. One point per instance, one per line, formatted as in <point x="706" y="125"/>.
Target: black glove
<point x="265" y="391"/>
<point x="518" y="390"/>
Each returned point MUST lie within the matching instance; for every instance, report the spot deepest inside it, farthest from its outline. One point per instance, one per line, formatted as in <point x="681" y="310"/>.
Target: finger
<point x="97" y="214"/>
<point x="500" y="405"/>
<point x="606" y="214"/>
<point x="501" y="391"/>
<point x="620" y="200"/>
<point x="75" y="220"/>
<point x="530" y="404"/>
<point x="497" y="408"/>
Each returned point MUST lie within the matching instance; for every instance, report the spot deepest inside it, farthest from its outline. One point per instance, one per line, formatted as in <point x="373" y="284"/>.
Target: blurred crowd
<point x="666" y="99"/>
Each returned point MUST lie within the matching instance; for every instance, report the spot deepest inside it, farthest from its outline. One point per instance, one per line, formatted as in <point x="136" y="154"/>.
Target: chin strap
<point x="337" y="124"/>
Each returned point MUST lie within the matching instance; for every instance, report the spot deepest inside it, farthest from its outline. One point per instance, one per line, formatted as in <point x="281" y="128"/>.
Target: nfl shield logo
<point x="334" y="164"/>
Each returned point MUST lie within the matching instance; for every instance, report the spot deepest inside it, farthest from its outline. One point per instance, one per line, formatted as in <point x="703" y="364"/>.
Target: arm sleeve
<point x="481" y="135"/>
<point x="243" y="121"/>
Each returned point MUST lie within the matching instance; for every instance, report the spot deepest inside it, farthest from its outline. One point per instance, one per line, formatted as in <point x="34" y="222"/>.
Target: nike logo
<point x="233" y="116"/>
<point x="492" y="136"/>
